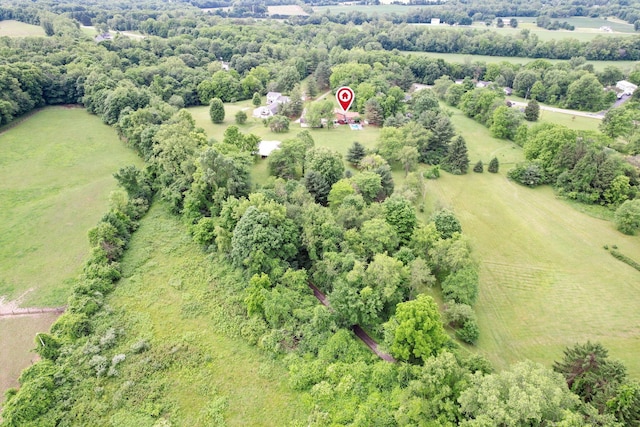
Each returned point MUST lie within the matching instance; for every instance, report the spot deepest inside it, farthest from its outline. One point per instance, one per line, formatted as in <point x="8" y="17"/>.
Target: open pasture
<point x="12" y="28"/>
<point x="545" y="280"/>
<point x="56" y="172"/>
<point x="625" y="66"/>
<point x="170" y="296"/>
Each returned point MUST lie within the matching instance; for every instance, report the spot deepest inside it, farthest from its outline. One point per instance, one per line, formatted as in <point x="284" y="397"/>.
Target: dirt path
<point x="360" y="333"/>
<point x="599" y="115"/>
<point x="12" y="308"/>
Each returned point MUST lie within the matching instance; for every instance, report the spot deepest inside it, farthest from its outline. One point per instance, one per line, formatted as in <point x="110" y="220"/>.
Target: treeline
<point x="374" y="35"/>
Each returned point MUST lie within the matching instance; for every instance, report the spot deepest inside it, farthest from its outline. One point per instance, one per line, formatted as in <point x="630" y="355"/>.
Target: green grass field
<point x="19" y="29"/>
<point x="625" y="66"/>
<point x="55" y="178"/>
<point x="545" y="280"/>
<point x="580" y="34"/>
<point x="167" y="296"/>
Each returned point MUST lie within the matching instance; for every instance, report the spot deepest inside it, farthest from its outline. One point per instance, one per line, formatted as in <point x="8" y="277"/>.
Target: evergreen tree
<point x="479" y="167"/>
<point x="532" y="111"/>
<point x="373" y="112"/>
<point x="457" y="158"/>
<point x="312" y="87"/>
<point x="216" y="110"/>
<point x="257" y="100"/>
<point x="355" y="153"/>
<point x="494" y="165"/>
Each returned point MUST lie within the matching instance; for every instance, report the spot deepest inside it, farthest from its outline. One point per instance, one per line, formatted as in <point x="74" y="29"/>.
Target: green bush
<point x="71" y="325"/>
<point x="625" y="259"/>
<point x="627" y="217"/>
<point x="469" y="333"/>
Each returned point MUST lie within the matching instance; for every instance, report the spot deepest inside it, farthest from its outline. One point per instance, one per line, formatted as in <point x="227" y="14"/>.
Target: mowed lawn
<point x="545" y="280"/>
<point x="169" y="296"/>
<point x="56" y="173"/>
<point x="12" y="28"/>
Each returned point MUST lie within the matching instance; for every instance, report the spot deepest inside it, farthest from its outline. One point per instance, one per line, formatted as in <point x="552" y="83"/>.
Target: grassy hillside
<point x="55" y="178"/>
<point x="19" y="29"/>
<point x="546" y="281"/>
<point x="171" y="297"/>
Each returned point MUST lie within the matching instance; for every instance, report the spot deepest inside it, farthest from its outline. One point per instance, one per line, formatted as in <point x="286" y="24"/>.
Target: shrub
<point x="469" y="333"/>
<point x="529" y="174"/>
<point x="241" y="117"/>
<point x="627" y="217"/>
<point x="479" y="167"/>
<point x="446" y="223"/>
<point x="71" y="325"/>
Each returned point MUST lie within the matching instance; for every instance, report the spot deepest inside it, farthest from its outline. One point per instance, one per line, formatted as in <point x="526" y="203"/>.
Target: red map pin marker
<point x="345" y="96"/>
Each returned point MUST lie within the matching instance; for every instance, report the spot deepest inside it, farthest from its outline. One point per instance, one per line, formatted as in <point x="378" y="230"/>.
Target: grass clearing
<point x="167" y="296"/>
<point x="545" y="280"/>
<point x="624" y="66"/>
<point x="13" y="28"/>
<point x="339" y="138"/>
<point x="55" y="178"/>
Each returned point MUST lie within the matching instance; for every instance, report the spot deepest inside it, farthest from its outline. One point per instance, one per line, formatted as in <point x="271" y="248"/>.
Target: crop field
<point x="56" y="172"/>
<point x="168" y="296"/>
<point x="19" y="29"/>
<point x="545" y="280"/>
<point x="625" y="66"/>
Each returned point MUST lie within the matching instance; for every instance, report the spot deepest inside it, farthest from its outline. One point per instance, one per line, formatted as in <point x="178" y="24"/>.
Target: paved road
<point x="599" y="115"/>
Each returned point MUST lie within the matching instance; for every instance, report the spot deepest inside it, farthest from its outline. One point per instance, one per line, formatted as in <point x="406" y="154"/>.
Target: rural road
<point x="599" y="115"/>
<point x="124" y="33"/>
<point x="360" y="333"/>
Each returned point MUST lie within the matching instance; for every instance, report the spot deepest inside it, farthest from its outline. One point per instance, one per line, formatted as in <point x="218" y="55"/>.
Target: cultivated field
<point x="625" y="66"/>
<point x="170" y="296"/>
<point x="19" y="29"/>
<point x="55" y="178"/>
<point x="546" y="281"/>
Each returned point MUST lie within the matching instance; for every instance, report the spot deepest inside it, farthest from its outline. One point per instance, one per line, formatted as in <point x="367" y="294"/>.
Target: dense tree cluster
<point x="577" y="163"/>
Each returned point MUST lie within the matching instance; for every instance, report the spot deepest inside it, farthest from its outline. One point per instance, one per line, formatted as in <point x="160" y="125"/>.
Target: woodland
<point x="350" y="227"/>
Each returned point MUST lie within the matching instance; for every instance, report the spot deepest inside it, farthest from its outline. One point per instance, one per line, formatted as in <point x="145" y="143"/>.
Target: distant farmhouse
<point x="102" y="37"/>
<point x="274" y="99"/>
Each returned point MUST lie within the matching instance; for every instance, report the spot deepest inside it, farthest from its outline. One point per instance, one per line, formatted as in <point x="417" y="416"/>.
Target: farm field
<point x="56" y="172"/>
<point x="545" y="280"/>
<point x="625" y="66"/>
<point x="17" y="336"/>
<point x="169" y="295"/>
<point x="12" y="28"/>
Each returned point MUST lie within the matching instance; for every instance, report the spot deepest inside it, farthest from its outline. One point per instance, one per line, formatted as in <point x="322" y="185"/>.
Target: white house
<point x="276" y="97"/>
<point x="435" y="21"/>
<point x="266" y="147"/>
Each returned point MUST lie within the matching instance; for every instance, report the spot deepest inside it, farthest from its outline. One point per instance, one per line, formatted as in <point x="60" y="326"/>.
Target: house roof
<point x="266" y="147"/>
